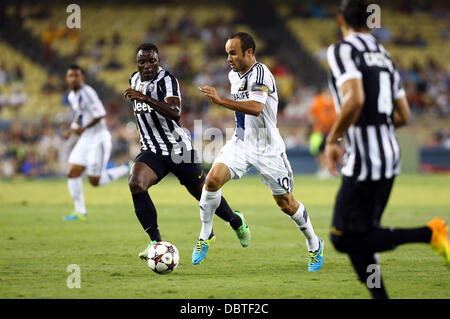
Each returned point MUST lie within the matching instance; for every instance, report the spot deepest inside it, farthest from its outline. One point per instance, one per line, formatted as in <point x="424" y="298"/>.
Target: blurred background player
<point x="93" y="148"/>
<point x="321" y="115"/>
<point x="165" y="146"/>
<point x="372" y="105"/>
<point x="257" y="142"/>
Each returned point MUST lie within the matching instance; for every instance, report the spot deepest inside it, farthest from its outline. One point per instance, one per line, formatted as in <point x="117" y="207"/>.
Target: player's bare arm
<point x="402" y="113"/>
<point x="78" y="130"/>
<point x="352" y="103"/>
<point x="171" y="107"/>
<point x="248" y="107"/>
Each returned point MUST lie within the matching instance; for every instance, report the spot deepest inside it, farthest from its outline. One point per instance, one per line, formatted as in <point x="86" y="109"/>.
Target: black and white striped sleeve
<point x="133" y="78"/>
<point x="169" y="86"/>
<point x="342" y="62"/>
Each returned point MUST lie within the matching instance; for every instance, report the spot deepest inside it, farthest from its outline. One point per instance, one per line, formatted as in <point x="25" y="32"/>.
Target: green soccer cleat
<point x="243" y="232"/>
<point x="143" y="254"/>
<point x="75" y="216"/>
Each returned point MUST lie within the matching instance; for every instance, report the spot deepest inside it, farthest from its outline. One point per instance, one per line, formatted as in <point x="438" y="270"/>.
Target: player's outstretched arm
<point x="77" y="129"/>
<point x="94" y="121"/>
<point x="248" y="107"/>
<point x="352" y="103"/>
<point x="171" y="108"/>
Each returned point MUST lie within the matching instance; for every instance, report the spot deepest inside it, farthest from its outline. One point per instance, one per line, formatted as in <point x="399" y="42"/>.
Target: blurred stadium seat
<point x="191" y="38"/>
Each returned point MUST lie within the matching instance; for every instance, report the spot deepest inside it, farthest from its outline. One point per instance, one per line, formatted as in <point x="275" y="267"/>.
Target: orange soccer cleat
<point x="439" y="238"/>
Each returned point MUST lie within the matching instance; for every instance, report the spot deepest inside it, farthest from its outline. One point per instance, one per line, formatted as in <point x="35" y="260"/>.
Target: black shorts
<point x="189" y="172"/>
<point x="359" y="205"/>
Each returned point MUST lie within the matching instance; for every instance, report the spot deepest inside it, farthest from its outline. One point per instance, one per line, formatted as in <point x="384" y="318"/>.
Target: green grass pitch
<point x="37" y="245"/>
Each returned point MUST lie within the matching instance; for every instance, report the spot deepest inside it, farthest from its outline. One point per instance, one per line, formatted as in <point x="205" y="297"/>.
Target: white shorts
<point x="92" y="152"/>
<point x="275" y="170"/>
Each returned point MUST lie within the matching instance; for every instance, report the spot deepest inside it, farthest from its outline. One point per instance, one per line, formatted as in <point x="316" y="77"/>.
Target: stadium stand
<point x="417" y="52"/>
<point x="191" y="41"/>
<point x="191" y="37"/>
<point x="27" y="91"/>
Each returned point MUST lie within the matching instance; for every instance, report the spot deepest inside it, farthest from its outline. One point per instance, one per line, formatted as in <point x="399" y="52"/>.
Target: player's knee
<point x="338" y="242"/>
<point x="213" y="183"/>
<point x="73" y="173"/>
<point x="95" y="181"/>
<point x="137" y="186"/>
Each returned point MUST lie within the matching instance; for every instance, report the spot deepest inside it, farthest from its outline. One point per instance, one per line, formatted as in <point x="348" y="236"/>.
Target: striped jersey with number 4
<point x="371" y="148"/>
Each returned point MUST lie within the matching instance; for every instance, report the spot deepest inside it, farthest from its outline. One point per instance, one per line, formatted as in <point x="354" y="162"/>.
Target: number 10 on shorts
<point x="286" y="183"/>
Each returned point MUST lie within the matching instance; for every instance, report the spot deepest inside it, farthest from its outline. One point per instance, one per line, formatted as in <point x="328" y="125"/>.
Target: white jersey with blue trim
<point x="259" y="133"/>
<point x="87" y="106"/>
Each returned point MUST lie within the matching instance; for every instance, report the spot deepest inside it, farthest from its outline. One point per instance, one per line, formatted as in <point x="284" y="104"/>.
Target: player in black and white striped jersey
<point x="371" y="104"/>
<point x="165" y="146"/>
<point x="372" y="149"/>
<point x="160" y="134"/>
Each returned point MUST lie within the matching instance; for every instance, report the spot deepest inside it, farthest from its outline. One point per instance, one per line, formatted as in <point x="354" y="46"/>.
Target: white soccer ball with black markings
<point x="163" y="257"/>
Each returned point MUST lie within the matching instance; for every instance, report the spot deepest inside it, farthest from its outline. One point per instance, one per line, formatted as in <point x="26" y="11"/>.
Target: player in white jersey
<point x="256" y="142"/>
<point x="93" y="148"/>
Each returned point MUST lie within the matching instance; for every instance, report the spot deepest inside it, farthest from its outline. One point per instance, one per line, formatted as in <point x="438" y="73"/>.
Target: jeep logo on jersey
<point x="141" y="107"/>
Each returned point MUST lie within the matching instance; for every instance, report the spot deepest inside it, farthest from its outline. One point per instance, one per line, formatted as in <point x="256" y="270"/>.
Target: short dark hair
<point x="147" y="47"/>
<point x="76" y="67"/>
<point x="247" y="41"/>
<point x="355" y="13"/>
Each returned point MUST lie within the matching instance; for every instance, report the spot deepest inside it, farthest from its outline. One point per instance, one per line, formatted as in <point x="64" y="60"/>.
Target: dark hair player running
<point x="157" y="107"/>
<point x="366" y="86"/>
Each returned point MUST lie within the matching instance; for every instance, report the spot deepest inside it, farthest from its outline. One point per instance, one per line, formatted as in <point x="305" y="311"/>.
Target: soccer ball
<point x="163" y="257"/>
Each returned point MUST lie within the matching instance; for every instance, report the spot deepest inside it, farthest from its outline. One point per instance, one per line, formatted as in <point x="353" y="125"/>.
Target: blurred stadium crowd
<point x="34" y="111"/>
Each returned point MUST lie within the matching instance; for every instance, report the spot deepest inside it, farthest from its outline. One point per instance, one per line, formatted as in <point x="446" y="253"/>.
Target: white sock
<point x="209" y="202"/>
<point x="303" y="222"/>
<point x="112" y="174"/>
<point x="76" y="191"/>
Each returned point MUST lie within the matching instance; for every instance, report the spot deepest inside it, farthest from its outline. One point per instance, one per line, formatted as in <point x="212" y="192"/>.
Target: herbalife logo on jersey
<point x="241" y="96"/>
<point x="141" y="107"/>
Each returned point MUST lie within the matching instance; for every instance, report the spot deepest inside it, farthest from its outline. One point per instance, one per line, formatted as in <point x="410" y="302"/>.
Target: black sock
<point x="360" y="263"/>
<point x="411" y="235"/>
<point x="224" y="211"/>
<point x="383" y="239"/>
<point x="146" y="213"/>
